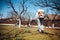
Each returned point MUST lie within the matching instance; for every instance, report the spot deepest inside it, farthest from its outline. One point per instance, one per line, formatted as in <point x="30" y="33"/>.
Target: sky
<point x="5" y="8"/>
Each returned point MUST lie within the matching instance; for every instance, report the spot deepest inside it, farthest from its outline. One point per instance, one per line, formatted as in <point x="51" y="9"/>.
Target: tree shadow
<point x="56" y="33"/>
<point x="8" y="35"/>
<point x="7" y="32"/>
<point x="15" y="37"/>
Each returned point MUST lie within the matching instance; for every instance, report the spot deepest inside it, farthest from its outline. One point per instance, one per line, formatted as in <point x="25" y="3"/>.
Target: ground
<point x="28" y="33"/>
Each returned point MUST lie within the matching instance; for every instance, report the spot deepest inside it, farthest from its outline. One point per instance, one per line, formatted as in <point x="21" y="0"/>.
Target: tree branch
<point x="11" y="4"/>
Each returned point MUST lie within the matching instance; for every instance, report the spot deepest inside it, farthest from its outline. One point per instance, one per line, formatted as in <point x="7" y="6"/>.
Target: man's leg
<point x="42" y="29"/>
<point x="41" y="25"/>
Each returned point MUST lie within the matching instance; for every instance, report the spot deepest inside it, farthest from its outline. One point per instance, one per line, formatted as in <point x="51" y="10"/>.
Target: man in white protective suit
<point x="40" y="17"/>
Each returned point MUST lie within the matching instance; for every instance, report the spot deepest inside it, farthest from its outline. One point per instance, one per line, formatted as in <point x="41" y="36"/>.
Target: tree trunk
<point x="53" y="25"/>
<point x="29" y="24"/>
<point x="19" y="23"/>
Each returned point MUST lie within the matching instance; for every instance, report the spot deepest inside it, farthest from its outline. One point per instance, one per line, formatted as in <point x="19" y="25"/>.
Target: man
<point x="40" y="16"/>
<point x="40" y="20"/>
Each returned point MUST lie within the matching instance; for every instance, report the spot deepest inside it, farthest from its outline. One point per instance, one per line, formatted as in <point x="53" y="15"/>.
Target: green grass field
<point x="26" y="33"/>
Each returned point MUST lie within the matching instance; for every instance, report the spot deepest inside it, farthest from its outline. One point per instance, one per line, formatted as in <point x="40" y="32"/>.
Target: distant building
<point x="47" y="22"/>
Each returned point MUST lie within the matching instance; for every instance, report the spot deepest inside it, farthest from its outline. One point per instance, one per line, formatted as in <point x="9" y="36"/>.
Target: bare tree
<point x="24" y="8"/>
<point x="57" y="7"/>
<point x="29" y="19"/>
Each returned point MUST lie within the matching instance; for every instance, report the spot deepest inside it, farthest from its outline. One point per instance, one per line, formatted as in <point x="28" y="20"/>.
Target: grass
<point x="26" y="33"/>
